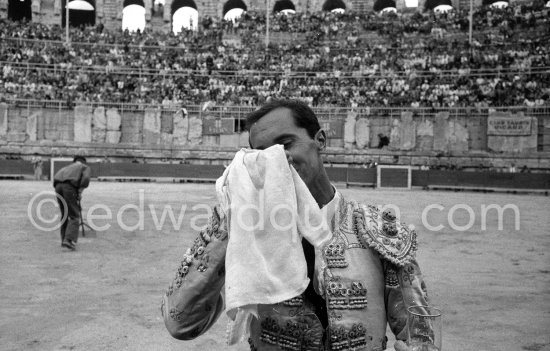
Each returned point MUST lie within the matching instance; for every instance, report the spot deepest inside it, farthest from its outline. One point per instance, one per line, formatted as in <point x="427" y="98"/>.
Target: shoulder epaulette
<point x="380" y="231"/>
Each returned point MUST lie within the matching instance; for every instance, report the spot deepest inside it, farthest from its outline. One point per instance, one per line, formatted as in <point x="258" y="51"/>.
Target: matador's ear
<point x="321" y="139"/>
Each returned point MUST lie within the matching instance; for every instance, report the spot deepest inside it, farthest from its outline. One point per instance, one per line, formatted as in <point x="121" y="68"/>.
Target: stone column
<point x="3" y="120"/>
<point x="440" y="131"/>
<point x="181" y="128"/>
<point x="425" y="135"/>
<point x="362" y="133"/>
<point x="458" y="137"/>
<point x="195" y="131"/>
<point x="113" y="133"/>
<point x="32" y="127"/>
<point x="349" y="130"/>
<point x="83" y="124"/>
<point x="407" y="131"/>
<point x="99" y="125"/>
<point x="151" y="126"/>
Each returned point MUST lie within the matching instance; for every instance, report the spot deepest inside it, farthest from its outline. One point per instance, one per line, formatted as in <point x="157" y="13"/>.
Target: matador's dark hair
<point x="304" y="117"/>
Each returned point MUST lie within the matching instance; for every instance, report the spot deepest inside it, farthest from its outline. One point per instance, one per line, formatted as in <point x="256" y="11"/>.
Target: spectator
<point x="345" y="59"/>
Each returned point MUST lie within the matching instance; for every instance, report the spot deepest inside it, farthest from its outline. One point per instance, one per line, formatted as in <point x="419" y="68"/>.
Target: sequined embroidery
<point x="252" y="346"/>
<point x="391" y="278"/>
<point x="203" y="263"/>
<point x="195" y="255"/>
<point x="294" y="302"/>
<point x="334" y="316"/>
<point x="270" y="331"/>
<point x="214" y="227"/>
<point x="176" y="315"/>
<point x="170" y="290"/>
<point x="408" y="274"/>
<point x="389" y="226"/>
<point x="342" y="297"/>
<point x="289" y="339"/>
<point x="344" y="217"/>
<point x="395" y="242"/>
<point x="334" y="255"/>
<point x="346" y="339"/>
<point x="290" y="335"/>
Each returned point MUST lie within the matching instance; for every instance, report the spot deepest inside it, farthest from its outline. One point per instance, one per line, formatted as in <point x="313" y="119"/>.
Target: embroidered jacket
<point x="370" y="279"/>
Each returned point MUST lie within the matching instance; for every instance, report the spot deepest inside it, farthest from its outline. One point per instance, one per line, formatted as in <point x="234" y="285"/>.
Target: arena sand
<point x="492" y="285"/>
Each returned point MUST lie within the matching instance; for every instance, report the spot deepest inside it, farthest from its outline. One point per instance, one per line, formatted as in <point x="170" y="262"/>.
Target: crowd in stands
<point x="333" y="59"/>
<point x="331" y="24"/>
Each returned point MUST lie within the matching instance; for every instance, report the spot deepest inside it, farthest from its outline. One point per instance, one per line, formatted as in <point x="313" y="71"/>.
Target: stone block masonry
<point x="159" y="133"/>
<point x="131" y="127"/>
<point x="99" y="125"/>
<point x="83" y="124"/>
<point x="362" y="133"/>
<point x="151" y="127"/>
<point x="3" y="120"/>
<point x="113" y="134"/>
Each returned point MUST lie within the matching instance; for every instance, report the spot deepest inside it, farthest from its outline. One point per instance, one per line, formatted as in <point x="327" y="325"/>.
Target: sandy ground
<point x="492" y="285"/>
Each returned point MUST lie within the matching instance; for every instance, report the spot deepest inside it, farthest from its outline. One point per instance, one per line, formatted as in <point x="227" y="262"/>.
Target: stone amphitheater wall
<point x="209" y="137"/>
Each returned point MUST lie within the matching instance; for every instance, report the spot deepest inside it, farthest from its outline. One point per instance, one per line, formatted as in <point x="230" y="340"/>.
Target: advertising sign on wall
<point x="216" y="126"/>
<point x="507" y="124"/>
<point x="333" y="129"/>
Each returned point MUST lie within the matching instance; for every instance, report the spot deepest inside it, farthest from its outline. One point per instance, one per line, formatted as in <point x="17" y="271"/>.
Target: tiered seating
<point x="340" y="60"/>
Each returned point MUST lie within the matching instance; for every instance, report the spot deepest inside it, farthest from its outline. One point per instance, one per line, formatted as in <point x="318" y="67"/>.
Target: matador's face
<point x="303" y="152"/>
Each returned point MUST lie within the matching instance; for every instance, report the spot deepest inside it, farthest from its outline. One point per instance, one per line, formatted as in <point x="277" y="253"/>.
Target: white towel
<point x="268" y="207"/>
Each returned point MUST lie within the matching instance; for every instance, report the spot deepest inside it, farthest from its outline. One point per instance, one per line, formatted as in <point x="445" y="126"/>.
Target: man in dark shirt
<point x="69" y="182"/>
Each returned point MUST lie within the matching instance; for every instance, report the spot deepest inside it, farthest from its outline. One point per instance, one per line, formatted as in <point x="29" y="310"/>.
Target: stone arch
<point x="281" y="5"/>
<point x="133" y="2"/>
<point x="20" y="10"/>
<point x="233" y="4"/>
<point x="177" y="4"/>
<point x="233" y="9"/>
<point x="133" y="15"/>
<point x="189" y="20"/>
<point x="330" y="5"/>
<point x="379" y="5"/>
<point x="78" y="16"/>
<point x="431" y="4"/>
<point x="490" y="2"/>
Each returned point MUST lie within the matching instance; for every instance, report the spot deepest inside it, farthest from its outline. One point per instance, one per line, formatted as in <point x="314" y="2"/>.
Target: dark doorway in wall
<point x="81" y="13"/>
<point x="331" y="5"/>
<point x="20" y="10"/>
<point x="282" y="5"/>
<point x="379" y="5"/>
<point x="181" y="3"/>
<point x="431" y="4"/>
<point x="233" y="4"/>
